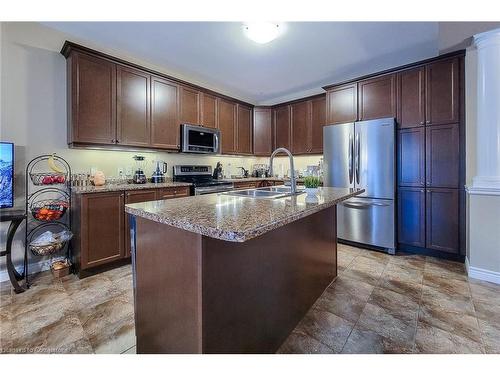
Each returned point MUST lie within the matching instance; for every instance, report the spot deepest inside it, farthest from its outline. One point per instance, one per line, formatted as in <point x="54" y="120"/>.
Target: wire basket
<point x="48" y="209"/>
<point x="42" y="179"/>
<point x="49" y="249"/>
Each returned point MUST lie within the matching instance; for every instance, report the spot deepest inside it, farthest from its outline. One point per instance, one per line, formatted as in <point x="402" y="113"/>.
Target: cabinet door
<point x="442" y="155"/>
<point x="189" y="105"/>
<point x="411" y="151"/>
<point x="300" y="128"/>
<point x="411" y="216"/>
<point x="93" y="100"/>
<point x="132" y="106"/>
<point x="377" y="97"/>
<point x="165" y="126"/>
<point x="209" y="110"/>
<point x="411" y="98"/>
<point x="282" y="127"/>
<point x="342" y="104"/>
<point x="318" y="111"/>
<point x="442" y="224"/>
<point x="135" y="197"/>
<point x="442" y="92"/>
<point x="227" y="125"/>
<point x="102" y="228"/>
<point x="262" y="132"/>
<point x="244" y="134"/>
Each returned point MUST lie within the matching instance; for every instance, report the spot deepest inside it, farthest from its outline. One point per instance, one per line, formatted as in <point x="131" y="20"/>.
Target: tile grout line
<point x="483" y="346"/>
<point x="419" y="306"/>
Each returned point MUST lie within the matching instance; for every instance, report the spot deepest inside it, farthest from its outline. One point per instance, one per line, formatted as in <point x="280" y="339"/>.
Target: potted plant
<point x="311" y="184"/>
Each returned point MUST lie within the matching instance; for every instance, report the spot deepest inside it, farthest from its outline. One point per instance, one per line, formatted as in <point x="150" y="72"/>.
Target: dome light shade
<point x="261" y="32"/>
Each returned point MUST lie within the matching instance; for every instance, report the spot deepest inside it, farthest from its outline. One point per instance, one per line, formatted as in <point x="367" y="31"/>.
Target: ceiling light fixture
<point x="261" y="32"/>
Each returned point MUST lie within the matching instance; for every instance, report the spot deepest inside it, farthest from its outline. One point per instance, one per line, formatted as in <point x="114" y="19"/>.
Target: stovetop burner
<point x="201" y="178"/>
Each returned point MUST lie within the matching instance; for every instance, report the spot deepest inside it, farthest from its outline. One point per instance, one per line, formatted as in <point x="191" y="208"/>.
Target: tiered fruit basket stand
<point x="48" y="205"/>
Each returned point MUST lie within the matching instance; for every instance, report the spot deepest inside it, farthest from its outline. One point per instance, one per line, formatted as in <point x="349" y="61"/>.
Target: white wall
<point x="33" y="115"/>
<point x="457" y="35"/>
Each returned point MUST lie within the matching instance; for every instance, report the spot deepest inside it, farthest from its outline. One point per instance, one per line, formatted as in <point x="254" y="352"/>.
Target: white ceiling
<point x="305" y="57"/>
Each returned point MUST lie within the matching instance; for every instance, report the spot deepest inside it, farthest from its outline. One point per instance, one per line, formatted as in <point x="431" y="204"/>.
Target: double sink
<point x="266" y="192"/>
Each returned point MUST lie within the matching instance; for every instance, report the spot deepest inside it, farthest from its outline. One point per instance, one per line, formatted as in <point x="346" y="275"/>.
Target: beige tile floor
<point x="377" y="304"/>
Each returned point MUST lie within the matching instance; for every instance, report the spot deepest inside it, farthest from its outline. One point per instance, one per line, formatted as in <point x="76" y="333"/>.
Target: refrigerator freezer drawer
<point x="367" y="221"/>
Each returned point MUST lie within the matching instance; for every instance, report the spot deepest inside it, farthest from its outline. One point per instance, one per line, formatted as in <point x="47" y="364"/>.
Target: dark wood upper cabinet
<point x="442" y="221"/>
<point x="411" y="216"/>
<point x="132" y="106"/>
<point x="92" y="91"/>
<point x="318" y="121"/>
<point x="227" y="124"/>
<point x="189" y="105"/>
<point x="209" y="110"/>
<point x="342" y="104"/>
<point x="442" y="156"/>
<point x="262" y="132"/>
<point x="282" y="126"/>
<point x="377" y="97"/>
<point x="442" y="91"/>
<point x="411" y="152"/>
<point x="244" y="133"/>
<point x="411" y="98"/>
<point x="300" y="127"/>
<point x="102" y="227"/>
<point x="165" y="126"/>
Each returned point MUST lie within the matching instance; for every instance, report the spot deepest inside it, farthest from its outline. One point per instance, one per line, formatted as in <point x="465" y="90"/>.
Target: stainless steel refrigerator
<point x="361" y="154"/>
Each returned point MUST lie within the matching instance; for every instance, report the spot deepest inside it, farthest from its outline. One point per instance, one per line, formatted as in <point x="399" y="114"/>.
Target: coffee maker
<point x="139" y="176"/>
<point x="159" y="173"/>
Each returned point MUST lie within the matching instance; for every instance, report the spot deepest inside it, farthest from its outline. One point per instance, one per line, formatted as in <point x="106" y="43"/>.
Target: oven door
<point x="200" y="140"/>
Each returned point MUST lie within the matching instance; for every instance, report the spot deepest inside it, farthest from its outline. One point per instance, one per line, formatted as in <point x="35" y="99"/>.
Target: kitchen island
<point x="224" y="274"/>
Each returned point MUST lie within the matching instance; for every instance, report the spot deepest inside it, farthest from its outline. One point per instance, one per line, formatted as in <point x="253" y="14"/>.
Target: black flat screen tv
<point x="6" y="174"/>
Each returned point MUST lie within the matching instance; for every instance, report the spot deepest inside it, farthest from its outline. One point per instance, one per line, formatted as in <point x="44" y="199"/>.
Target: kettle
<point x="159" y="173"/>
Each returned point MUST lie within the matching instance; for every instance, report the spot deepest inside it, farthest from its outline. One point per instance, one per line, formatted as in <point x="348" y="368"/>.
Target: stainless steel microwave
<point x="198" y="139"/>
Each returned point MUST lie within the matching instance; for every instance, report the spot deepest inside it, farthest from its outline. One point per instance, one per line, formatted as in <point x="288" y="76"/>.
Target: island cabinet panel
<point x="189" y="105"/>
<point x="300" y="115"/>
<point x="244" y="134"/>
<point x="318" y="121"/>
<point x="442" y="90"/>
<point x="342" y="104"/>
<point x="209" y="110"/>
<point x="442" y="221"/>
<point x="92" y="91"/>
<point x="165" y="129"/>
<point x="227" y="125"/>
<point x="102" y="228"/>
<point x="411" y="98"/>
<point x="442" y="156"/>
<point x="377" y="97"/>
<point x="262" y="132"/>
<point x="135" y="197"/>
<point x="132" y="106"/>
<point x="411" y="152"/>
<point x="411" y="216"/>
<point x="282" y="126"/>
<point x="228" y="297"/>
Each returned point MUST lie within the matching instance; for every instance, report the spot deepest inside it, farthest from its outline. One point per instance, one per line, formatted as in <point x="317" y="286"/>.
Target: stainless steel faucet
<point x="293" y="182"/>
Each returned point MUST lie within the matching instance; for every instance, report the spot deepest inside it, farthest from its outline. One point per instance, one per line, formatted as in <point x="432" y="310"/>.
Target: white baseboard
<point x="481" y="273"/>
<point x="32" y="268"/>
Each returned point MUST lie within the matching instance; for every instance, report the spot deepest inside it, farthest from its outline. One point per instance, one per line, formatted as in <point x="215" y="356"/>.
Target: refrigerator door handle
<point x="356" y="157"/>
<point x="350" y="158"/>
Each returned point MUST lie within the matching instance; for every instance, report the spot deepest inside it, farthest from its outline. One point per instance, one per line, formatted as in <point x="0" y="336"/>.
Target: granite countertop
<point x="123" y="187"/>
<point x="233" y="218"/>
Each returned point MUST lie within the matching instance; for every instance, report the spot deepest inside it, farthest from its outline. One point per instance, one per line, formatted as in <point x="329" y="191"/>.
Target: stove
<point x="201" y="178"/>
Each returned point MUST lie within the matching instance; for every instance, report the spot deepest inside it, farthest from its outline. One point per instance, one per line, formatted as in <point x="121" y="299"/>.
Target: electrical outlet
<point x="120" y="171"/>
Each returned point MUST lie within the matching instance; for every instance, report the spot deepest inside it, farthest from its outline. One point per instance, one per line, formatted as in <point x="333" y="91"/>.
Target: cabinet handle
<point x="428" y="122"/>
<point x="421" y="122"/>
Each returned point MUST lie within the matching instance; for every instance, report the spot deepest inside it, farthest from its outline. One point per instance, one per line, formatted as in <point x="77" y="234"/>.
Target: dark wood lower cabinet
<point x="101" y="226"/>
<point x="411" y="216"/>
<point x="100" y="236"/>
<point x="442" y="221"/>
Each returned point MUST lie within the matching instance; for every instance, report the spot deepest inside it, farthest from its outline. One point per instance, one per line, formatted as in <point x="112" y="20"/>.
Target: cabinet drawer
<point x="174" y="192"/>
<point x="246" y="185"/>
<point x="140" y="196"/>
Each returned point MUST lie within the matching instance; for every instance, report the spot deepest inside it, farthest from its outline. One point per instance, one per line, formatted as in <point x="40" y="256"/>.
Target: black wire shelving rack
<point x="48" y="205"/>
